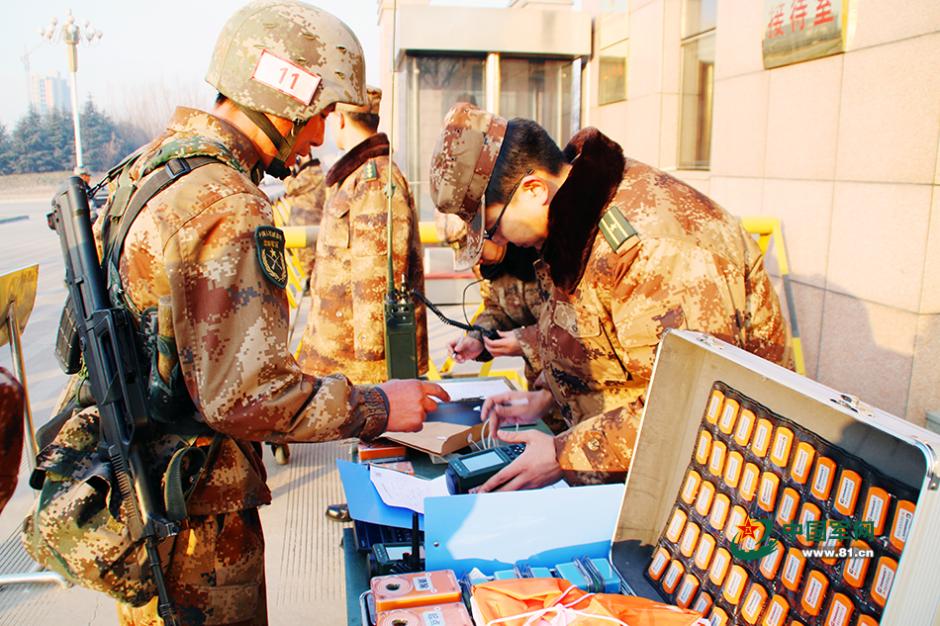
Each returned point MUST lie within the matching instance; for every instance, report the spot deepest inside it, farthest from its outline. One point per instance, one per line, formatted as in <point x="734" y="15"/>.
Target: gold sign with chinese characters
<point x="801" y="30"/>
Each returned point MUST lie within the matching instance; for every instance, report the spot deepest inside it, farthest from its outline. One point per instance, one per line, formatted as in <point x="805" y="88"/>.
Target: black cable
<point x="490" y="334"/>
<point x="463" y="298"/>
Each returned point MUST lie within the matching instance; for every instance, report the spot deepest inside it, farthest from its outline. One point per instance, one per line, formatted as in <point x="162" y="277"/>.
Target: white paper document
<point x="474" y="388"/>
<point x="403" y="490"/>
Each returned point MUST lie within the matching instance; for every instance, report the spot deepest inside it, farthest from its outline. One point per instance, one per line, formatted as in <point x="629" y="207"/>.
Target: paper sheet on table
<point x="474" y="388"/>
<point x="402" y="490"/>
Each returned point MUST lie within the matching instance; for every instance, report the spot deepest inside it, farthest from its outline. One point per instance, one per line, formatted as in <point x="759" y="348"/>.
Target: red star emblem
<point x="748" y="529"/>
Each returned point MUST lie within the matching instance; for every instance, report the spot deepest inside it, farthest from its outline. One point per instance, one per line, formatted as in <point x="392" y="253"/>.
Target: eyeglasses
<point x="489" y="233"/>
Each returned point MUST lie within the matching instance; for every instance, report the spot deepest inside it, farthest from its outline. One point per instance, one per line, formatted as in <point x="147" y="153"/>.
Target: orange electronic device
<point x="714" y="406"/>
<point x="738" y="516"/>
<point x="767" y="492"/>
<point x="855" y="570"/>
<point x="840" y="611"/>
<point x="761" y="441"/>
<point x="850" y="484"/>
<point x="381" y="449"/>
<point x="789" y="505"/>
<point x="719" y="514"/>
<point x="770" y="564"/>
<point x="866" y="620"/>
<point x="793" y="569"/>
<point x="733" y="467"/>
<point x="753" y="605"/>
<point x="776" y="614"/>
<point x="823" y="477"/>
<point x="454" y="614"/>
<point x="716" y="460"/>
<point x="729" y="415"/>
<point x="689" y="539"/>
<point x="718" y="617"/>
<point x="703" y="555"/>
<point x="876" y="508"/>
<point x="802" y="462"/>
<point x="814" y="594"/>
<point x="901" y="526"/>
<point x="883" y="579"/>
<point x="687" y="591"/>
<point x="742" y="434"/>
<point x="719" y="568"/>
<point x="676" y="525"/>
<point x="703" y="447"/>
<point x="703" y="603"/>
<point x="703" y="503"/>
<point x="808" y="513"/>
<point x="690" y="488"/>
<point x="780" y="449"/>
<point x="673" y="575"/>
<point x="747" y="486"/>
<point x="734" y="585"/>
<point x="659" y="563"/>
<point x="402" y="591"/>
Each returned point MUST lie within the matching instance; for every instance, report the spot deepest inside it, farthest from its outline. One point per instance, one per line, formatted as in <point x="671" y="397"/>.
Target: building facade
<point x="839" y="138"/>
<point x="49" y="93"/>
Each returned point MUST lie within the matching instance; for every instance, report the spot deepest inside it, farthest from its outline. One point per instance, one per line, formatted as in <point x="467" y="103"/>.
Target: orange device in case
<point x="703" y="447"/>
<point x="901" y="526"/>
<point x="734" y="585"/>
<point x="733" y="467"/>
<point x="719" y="568"/>
<point x="401" y="591"/>
<point x="876" y="508"/>
<point x="715" y="403"/>
<point x="814" y="594"/>
<point x="776" y="614"/>
<point x="840" y="611"/>
<point x="729" y="415"/>
<point x="793" y="566"/>
<point x="381" y="449"/>
<point x="789" y="505"/>
<point x="676" y="525"/>
<point x="703" y="555"/>
<point x="673" y="575"/>
<point x="767" y="492"/>
<point x="703" y="504"/>
<point x="802" y="462"/>
<point x="703" y="603"/>
<point x="659" y="563"/>
<point x="719" y="514"/>
<point x="780" y="450"/>
<point x="747" y="486"/>
<point x="689" y="539"/>
<point x="738" y="516"/>
<point x="808" y="513"/>
<point x="753" y="605"/>
<point x="770" y="564"/>
<point x="687" y="591"/>
<point x="850" y="484"/>
<point x="718" y="617"/>
<point x="822" y="478"/>
<point x="855" y="570"/>
<point x="742" y="434"/>
<point x="454" y="614"/>
<point x="883" y="579"/>
<point x="692" y="481"/>
<point x="866" y="620"/>
<point x="761" y="441"/>
<point x="716" y="460"/>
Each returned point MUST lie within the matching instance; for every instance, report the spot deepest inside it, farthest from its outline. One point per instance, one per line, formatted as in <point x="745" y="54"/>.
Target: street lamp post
<point x="72" y="34"/>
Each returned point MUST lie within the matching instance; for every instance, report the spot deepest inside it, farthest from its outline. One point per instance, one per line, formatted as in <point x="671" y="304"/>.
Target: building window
<point x="612" y="74"/>
<point x="698" y="77"/>
<point x="433" y="85"/>
<point x="540" y="90"/>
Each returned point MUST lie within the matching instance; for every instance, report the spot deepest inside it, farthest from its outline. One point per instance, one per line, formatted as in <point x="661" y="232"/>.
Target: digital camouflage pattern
<point x="372" y="104"/>
<point x="690" y="265"/>
<point x="461" y="165"/>
<point x="305" y="196"/>
<point x="510" y="303"/>
<point x="345" y="329"/>
<point x="190" y="256"/>
<point x="311" y="39"/>
<point x="11" y="434"/>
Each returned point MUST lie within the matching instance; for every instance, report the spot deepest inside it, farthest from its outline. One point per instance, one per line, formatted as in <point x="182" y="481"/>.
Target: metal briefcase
<point x="727" y="435"/>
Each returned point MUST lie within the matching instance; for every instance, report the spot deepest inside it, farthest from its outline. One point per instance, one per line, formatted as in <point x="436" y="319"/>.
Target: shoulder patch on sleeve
<point x="371" y="172"/>
<point x="617" y="230"/>
<point x="269" y="243"/>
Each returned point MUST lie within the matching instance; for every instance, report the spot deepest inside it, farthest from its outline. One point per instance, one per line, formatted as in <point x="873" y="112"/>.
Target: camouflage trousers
<point x="215" y="575"/>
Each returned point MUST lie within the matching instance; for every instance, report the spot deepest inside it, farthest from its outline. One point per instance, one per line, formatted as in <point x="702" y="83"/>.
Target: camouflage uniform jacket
<point x="305" y="196"/>
<point x="346" y="324"/>
<point x="632" y="252"/>
<point x="192" y="255"/>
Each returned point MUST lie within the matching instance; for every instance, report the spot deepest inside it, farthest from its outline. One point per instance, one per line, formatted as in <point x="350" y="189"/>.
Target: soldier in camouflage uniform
<point x="346" y="323"/>
<point x="627" y="252"/>
<point x="204" y="257"/>
<point x="305" y="194"/>
<point x="11" y="434"/>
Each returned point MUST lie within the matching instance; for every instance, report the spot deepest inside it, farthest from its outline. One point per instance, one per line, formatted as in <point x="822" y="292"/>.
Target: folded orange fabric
<point x="556" y="602"/>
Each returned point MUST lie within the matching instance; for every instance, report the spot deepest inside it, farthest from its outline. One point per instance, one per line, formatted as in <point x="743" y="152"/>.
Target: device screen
<point x="397" y="553"/>
<point x="482" y="461"/>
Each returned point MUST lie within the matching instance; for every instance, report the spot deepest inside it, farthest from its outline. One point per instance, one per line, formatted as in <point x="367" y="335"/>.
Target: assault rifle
<point x="109" y="348"/>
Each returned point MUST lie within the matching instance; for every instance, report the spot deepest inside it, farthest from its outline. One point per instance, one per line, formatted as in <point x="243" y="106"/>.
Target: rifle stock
<point x="110" y="353"/>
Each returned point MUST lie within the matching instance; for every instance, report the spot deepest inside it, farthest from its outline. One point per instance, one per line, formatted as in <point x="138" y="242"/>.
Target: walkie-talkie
<point x="401" y="345"/>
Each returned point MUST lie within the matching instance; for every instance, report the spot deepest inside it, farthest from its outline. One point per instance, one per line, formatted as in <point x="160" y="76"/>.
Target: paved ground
<point x="304" y="559"/>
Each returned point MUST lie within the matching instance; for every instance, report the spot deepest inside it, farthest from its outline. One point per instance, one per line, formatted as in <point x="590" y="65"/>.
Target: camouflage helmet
<point x="287" y="58"/>
<point x="461" y="166"/>
<point x="373" y="102"/>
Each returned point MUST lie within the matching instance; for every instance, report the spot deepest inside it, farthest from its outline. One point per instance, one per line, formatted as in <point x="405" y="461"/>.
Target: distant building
<point x="47" y="93"/>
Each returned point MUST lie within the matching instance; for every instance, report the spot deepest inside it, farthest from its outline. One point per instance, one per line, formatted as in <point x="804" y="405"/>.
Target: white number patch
<point x="286" y="77"/>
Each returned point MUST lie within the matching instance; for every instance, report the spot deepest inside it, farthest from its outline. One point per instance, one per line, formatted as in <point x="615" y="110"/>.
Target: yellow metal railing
<point x="768" y="229"/>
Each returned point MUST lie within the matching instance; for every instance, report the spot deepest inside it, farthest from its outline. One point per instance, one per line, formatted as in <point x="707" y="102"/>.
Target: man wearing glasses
<point x="627" y="252"/>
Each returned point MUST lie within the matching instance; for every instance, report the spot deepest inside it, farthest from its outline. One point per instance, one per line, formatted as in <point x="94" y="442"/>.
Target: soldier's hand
<point x="465" y="348"/>
<point x="507" y="344"/>
<point x="536" y="467"/>
<point x="516" y="407"/>
<point x="409" y="402"/>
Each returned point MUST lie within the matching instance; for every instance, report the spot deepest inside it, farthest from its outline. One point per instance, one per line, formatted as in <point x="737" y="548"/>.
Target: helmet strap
<point x="284" y="145"/>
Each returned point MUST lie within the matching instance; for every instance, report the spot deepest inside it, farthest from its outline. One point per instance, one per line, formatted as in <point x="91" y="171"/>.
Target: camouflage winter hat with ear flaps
<point x="461" y="166"/>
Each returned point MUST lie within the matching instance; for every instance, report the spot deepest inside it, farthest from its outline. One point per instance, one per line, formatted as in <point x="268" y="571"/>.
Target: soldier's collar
<point x="193" y="121"/>
<point x="597" y="168"/>
<point x="374" y="146"/>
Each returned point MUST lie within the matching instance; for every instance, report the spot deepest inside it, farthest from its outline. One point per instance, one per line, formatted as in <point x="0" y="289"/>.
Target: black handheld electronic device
<point x="472" y="470"/>
<point x="396" y="558"/>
